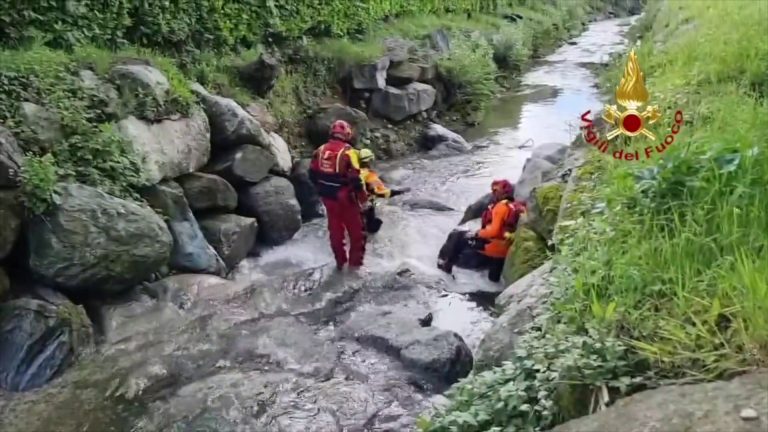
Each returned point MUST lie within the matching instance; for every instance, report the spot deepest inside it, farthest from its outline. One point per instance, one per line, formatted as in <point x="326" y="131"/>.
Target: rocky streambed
<point x="286" y="343"/>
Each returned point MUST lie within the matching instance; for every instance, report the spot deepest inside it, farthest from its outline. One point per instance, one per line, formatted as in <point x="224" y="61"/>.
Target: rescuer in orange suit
<point x="335" y="172"/>
<point x="493" y="240"/>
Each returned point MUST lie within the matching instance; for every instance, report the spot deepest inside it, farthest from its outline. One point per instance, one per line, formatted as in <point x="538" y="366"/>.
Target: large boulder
<point x="370" y="76"/>
<point x="318" y="126"/>
<point x="42" y="125"/>
<point x="244" y="164"/>
<point x="527" y="253"/>
<point x="231" y="125"/>
<point x="10" y="159"/>
<point x="400" y="103"/>
<point x="39" y="339"/>
<point x="231" y="235"/>
<point x="208" y="192"/>
<point x="306" y="195"/>
<point x="281" y="153"/>
<point x="476" y="209"/>
<point x="426" y="204"/>
<point x="168" y="148"/>
<point x="740" y="404"/>
<point x="10" y="215"/>
<point x="260" y="112"/>
<point x="403" y="73"/>
<point x="191" y="252"/>
<point x="535" y="172"/>
<point x="132" y="79"/>
<point x="544" y="207"/>
<point x="436" y="137"/>
<point x="273" y="203"/>
<point x="399" y="50"/>
<point x="553" y="153"/>
<point x="521" y="302"/>
<point x="94" y="241"/>
<point x="440" y="354"/>
<point x="261" y="74"/>
<point x="107" y="94"/>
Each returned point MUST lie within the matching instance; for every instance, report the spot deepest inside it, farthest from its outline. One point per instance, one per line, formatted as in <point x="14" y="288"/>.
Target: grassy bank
<point x="665" y="273"/>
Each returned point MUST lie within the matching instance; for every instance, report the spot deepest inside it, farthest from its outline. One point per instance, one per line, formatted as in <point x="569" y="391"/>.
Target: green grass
<point x="665" y="268"/>
<point x="88" y="149"/>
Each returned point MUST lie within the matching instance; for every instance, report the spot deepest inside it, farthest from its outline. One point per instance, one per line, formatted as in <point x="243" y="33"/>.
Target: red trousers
<point x="344" y="217"/>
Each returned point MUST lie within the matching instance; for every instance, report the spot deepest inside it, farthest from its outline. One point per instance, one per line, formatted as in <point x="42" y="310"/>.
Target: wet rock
<point x="437" y="353"/>
<point x="476" y="209"/>
<point x="5" y="284"/>
<point x="318" y="126"/>
<point x="399" y="50"/>
<point x="535" y="172"/>
<point x="231" y="125"/>
<point x="261" y="113"/>
<point x="288" y="342"/>
<point x="208" y="192"/>
<point x="105" y="91"/>
<point x="370" y="76"/>
<point x="440" y="41"/>
<point x="39" y="339"/>
<point x="544" y="207"/>
<point x="281" y="153"/>
<point x="185" y="290"/>
<point x="436" y="136"/>
<point x="748" y="414"/>
<point x="11" y="158"/>
<point x="231" y="235"/>
<point x="273" y="203"/>
<point x="43" y="126"/>
<point x="261" y="74"/>
<point x="522" y="302"/>
<point x="11" y="213"/>
<point x="428" y="72"/>
<point x="529" y="253"/>
<point x="400" y="103"/>
<point x="553" y="153"/>
<point x="710" y="407"/>
<point x="94" y="241"/>
<point x="133" y="79"/>
<point x="403" y="73"/>
<point x="306" y="195"/>
<point x="168" y="148"/>
<point x="425" y="204"/>
<point x="130" y="314"/>
<point x="318" y="293"/>
<point x="191" y="252"/>
<point x="244" y="164"/>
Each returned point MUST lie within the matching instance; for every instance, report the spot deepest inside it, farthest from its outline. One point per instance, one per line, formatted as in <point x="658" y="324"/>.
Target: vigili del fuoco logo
<point x="632" y="95"/>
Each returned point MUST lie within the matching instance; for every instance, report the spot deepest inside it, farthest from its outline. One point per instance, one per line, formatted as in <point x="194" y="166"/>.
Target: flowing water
<point x="545" y="108"/>
<point x="267" y="357"/>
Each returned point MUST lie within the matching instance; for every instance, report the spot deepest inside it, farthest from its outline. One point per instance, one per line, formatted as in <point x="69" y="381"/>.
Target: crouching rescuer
<point x="335" y="172"/>
<point x="375" y="188"/>
<point x="492" y="242"/>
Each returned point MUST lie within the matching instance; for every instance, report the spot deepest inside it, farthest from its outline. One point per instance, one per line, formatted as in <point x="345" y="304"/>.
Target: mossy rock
<point x="544" y="207"/>
<point x="528" y="252"/>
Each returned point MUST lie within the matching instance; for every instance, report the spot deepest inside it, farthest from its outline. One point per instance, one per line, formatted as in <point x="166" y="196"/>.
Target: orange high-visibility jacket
<point x="499" y="220"/>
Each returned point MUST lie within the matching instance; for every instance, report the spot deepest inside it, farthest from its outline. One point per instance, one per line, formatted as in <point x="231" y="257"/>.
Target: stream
<point x="290" y="345"/>
<point x="545" y="108"/>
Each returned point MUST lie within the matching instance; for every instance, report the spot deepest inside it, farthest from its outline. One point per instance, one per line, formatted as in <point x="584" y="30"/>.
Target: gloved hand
<point x="396" y="192"/>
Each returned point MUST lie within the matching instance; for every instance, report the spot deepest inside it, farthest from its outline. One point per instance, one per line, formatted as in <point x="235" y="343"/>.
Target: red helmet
<point x="341" y="130"/>
<point x="502" y="188"/>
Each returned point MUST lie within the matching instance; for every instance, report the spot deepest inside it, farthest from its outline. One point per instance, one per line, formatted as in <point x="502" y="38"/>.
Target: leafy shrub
<point x="90" y="151"/>
<point x="469" y="67"/>
<point x="551" y="376"/>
